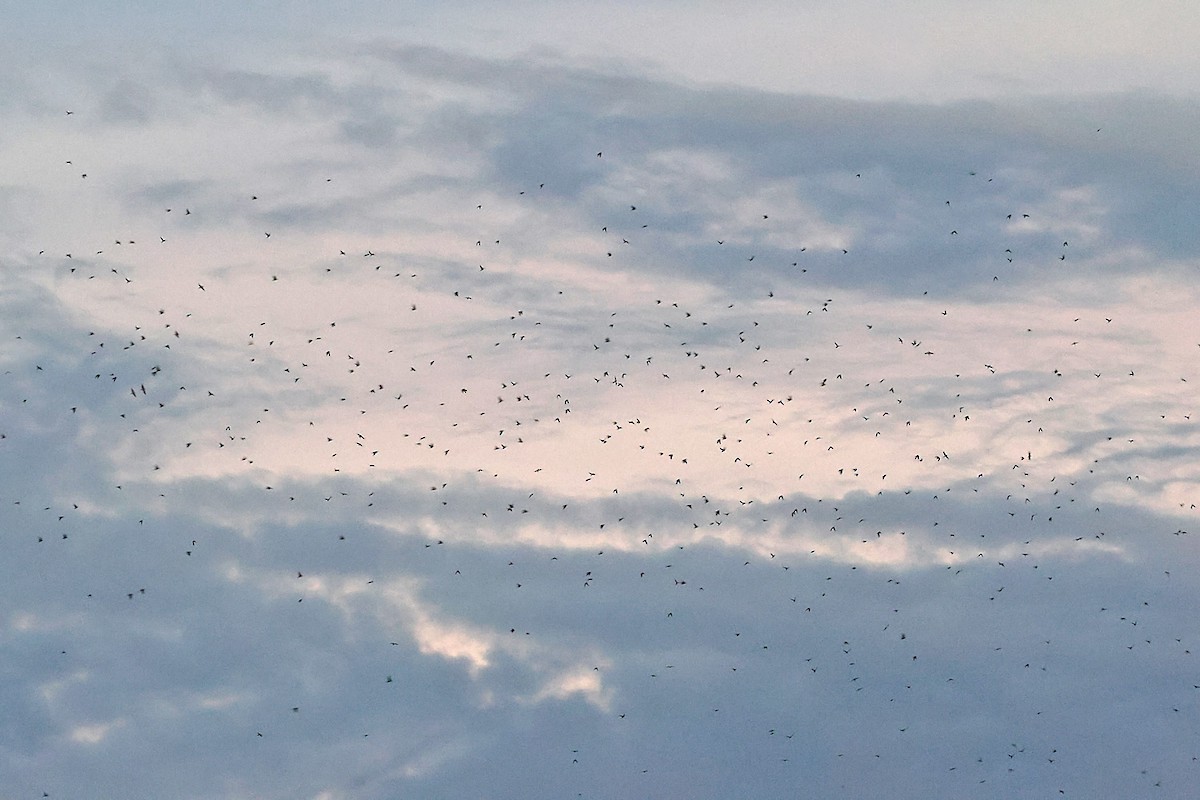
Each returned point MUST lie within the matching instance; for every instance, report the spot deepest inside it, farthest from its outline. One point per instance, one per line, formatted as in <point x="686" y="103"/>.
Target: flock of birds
<point x="723" y="496"/>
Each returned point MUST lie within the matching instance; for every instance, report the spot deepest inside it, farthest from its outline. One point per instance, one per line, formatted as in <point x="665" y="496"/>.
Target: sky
<point x="639" y="400"/>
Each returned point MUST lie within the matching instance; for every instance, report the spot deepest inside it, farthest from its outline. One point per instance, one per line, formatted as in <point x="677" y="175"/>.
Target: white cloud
<point x="95" y="733"/>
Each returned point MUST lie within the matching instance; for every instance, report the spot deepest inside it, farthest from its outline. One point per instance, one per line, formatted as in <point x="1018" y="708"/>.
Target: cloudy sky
<point x="646" y="400"/>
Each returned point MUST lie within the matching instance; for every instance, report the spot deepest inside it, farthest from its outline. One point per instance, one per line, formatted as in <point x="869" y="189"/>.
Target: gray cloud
<point x="442" y="489"/>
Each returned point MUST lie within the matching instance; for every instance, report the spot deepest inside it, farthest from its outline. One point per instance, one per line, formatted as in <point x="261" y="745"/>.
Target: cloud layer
<point x="427" y="422"/>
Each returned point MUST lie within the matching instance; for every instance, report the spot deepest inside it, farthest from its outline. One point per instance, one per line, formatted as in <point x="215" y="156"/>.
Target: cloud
<point x="450" y="422"/>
